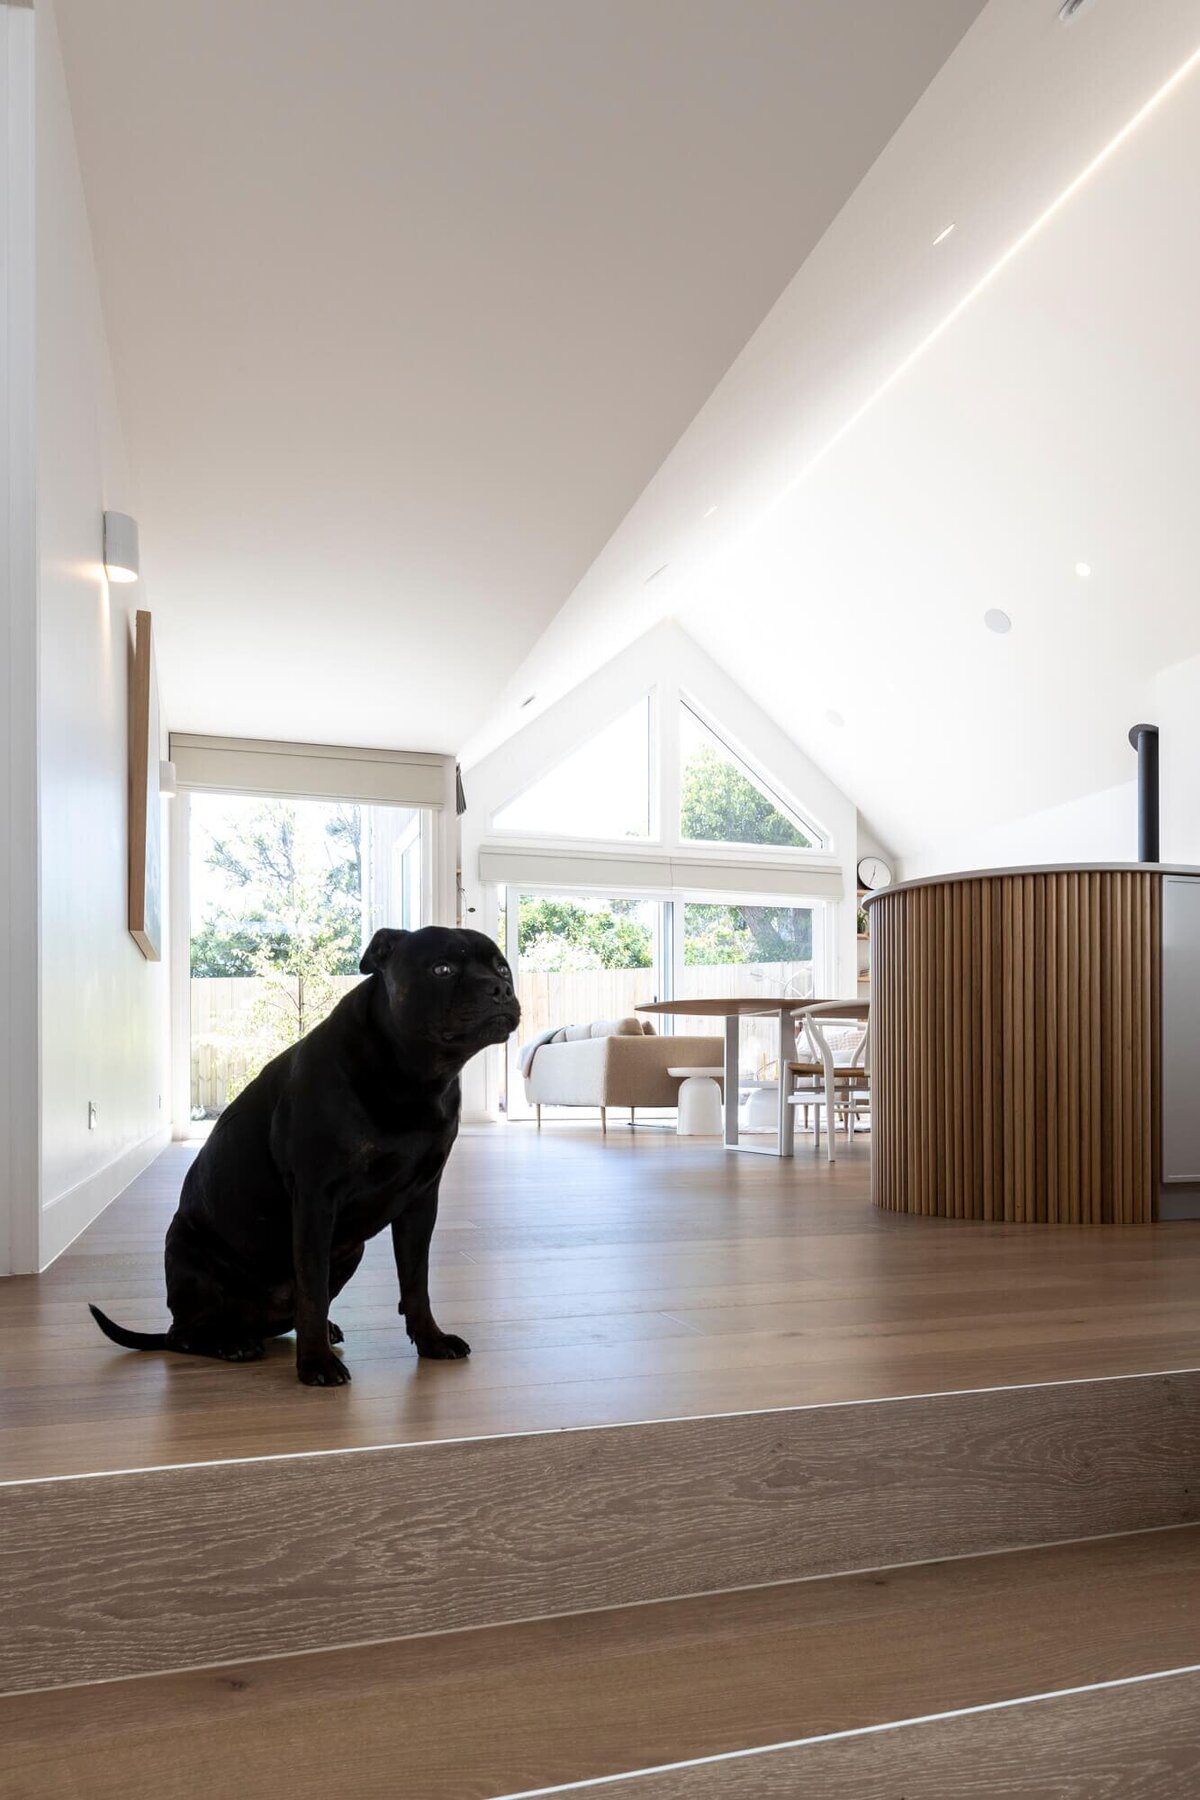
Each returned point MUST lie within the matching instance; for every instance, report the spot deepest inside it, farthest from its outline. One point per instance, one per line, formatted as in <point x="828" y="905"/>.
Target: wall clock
<point x="874" y="873"/>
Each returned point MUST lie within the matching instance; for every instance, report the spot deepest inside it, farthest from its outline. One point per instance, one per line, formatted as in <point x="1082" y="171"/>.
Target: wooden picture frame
<point x="145" y="807"/>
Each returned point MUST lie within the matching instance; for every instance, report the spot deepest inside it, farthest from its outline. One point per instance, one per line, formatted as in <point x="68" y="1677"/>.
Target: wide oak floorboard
<point x="492" y="1712"/>
<point x="599" y="1280"/>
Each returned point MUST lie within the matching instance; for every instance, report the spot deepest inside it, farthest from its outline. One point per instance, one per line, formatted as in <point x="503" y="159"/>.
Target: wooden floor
<point x="521" y="1707"/>
<point x="599" y="1281"/>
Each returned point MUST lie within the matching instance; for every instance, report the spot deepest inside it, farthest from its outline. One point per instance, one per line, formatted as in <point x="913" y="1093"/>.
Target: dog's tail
<point x="129" y="1340"/>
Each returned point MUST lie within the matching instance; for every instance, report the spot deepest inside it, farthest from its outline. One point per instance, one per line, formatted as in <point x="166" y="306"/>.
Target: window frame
<point x="799" y="816"/>
<point x="664" y="699"/>
<point x="823" y="922"/>
<point x="669" y="935"/>
<point x="654" y="807"/>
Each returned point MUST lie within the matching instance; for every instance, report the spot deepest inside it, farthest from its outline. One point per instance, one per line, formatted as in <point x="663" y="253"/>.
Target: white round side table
<point x="700" y="1111"/>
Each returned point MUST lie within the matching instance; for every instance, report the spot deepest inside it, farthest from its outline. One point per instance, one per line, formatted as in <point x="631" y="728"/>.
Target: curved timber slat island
<point x="1036" y="1045"/>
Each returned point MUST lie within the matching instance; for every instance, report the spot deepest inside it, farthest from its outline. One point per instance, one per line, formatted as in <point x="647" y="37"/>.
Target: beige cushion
<point x="616" y="1028"/>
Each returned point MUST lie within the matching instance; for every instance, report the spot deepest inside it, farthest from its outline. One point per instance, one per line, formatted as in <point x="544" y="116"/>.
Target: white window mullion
<point x="668" y="762"/>
<point x="674" y="907"/>
<point x="512" y="939"/>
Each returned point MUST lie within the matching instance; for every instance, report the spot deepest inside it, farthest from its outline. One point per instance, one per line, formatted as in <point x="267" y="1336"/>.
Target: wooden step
<point x="1132" y="1740"/>
<point x="139" y="1573"/>
<point x="769" y="1681"/>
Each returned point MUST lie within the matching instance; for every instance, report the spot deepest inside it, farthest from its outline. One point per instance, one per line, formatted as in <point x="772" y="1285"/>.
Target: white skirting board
<point x="65" y="1217"/>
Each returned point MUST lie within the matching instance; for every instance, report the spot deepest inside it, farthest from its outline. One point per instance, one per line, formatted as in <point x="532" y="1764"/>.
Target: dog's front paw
<point x="325" y="1370"/>
<point x="445" y="1347"/>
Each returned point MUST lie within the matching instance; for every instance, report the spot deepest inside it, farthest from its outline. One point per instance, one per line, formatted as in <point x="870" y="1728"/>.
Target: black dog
<point x="346" y="1132"/>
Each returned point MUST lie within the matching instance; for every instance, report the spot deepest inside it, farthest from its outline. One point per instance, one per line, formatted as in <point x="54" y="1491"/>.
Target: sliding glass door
<point x="742" y="948"/>
<point x="578" y="958"/>
<point x="284" y="893"/>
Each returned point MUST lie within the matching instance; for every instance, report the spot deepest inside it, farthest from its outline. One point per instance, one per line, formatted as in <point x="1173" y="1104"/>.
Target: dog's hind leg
<point x="228" y="1341"/>
<point x="225" y="1349"/>
<point x="211" y="1322"/>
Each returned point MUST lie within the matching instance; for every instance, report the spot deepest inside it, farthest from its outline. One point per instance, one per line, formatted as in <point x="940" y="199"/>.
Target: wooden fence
<point x="226" y="1045"/>
<point x="577" y="996"/>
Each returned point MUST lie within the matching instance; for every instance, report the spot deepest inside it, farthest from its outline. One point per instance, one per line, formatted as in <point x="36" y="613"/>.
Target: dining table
<point x="733" y="1010"/>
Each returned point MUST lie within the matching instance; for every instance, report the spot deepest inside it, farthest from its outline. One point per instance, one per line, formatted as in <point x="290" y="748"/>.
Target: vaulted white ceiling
<point x="457" y="345"/>
<point x="922" y="431"/>
<point x="1043" y="461"/>
<point x="409" y="299"/>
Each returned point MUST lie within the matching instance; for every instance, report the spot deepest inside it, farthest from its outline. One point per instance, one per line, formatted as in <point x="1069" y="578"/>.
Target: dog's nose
<point x="502" y="990"/>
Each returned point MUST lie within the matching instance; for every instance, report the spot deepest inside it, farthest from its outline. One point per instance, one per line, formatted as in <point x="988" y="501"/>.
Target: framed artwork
<point x="145" y="807"/>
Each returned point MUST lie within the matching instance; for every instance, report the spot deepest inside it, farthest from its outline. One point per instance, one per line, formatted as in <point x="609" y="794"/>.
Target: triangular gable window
<point x="601" y="790"/>
<point x="721" y="801"/>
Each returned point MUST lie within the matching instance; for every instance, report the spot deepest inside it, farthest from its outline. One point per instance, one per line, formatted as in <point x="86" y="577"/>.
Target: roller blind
<point x="320" y="771"/>
<point x="571" y="869"/>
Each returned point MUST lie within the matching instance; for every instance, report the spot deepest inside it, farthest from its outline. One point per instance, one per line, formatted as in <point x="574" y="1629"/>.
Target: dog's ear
<point x="379" y="949"/>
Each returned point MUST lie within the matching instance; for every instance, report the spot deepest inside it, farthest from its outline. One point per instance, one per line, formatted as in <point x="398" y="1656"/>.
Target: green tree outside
<point x="719" y="804"/>
<point x="296" y="904"/>
<point x="557" y="935"/>
<point x="299" y="925"/>
<point x="746" y="934"/>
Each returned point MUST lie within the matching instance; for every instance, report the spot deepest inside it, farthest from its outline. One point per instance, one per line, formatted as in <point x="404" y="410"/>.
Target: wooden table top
<point x="729" y="1009"/>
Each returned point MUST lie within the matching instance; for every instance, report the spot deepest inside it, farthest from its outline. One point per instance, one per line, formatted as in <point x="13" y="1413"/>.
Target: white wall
<point x="103" y="1007"/>
<point x="18" y="658"/>
<point x="1176" y="712"/>
<point x="1099" y="827"/>
<point x="870" y="843"/>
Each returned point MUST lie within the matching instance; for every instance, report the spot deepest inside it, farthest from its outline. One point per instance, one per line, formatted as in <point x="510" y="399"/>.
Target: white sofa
<point x="614" y="1062"/>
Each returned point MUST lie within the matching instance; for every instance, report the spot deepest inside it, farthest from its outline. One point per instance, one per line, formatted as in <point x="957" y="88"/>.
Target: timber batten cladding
<point x="1016" y="1031"/>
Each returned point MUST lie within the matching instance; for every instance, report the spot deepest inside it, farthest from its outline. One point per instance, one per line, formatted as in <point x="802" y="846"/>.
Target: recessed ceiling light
<point x="710" y="512"/>
<point x="528" y="701"/>
<point x="1083" y="570"/>
<point x="943" y="234"/>
<point x="659" y="571"/>
<point x="997" y="621"/>
<point x="835" y="718"/>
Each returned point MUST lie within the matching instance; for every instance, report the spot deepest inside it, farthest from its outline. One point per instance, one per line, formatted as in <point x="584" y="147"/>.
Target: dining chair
<point x="838" y="1075"/>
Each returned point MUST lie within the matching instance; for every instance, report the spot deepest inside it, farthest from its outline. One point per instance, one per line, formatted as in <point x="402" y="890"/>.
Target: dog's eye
<point x="443" y="968"/>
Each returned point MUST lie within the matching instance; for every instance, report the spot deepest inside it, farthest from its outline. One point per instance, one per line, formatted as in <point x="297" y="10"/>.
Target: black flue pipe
<point x="1144" y="739"/>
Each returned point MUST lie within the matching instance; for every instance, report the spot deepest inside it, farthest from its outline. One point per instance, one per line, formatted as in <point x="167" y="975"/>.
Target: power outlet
<point x="93" y="1115"/>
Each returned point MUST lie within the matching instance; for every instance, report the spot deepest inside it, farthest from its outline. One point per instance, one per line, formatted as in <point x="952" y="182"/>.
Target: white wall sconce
<point x="120" y="547"/>
<point x="167" y="785"/>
